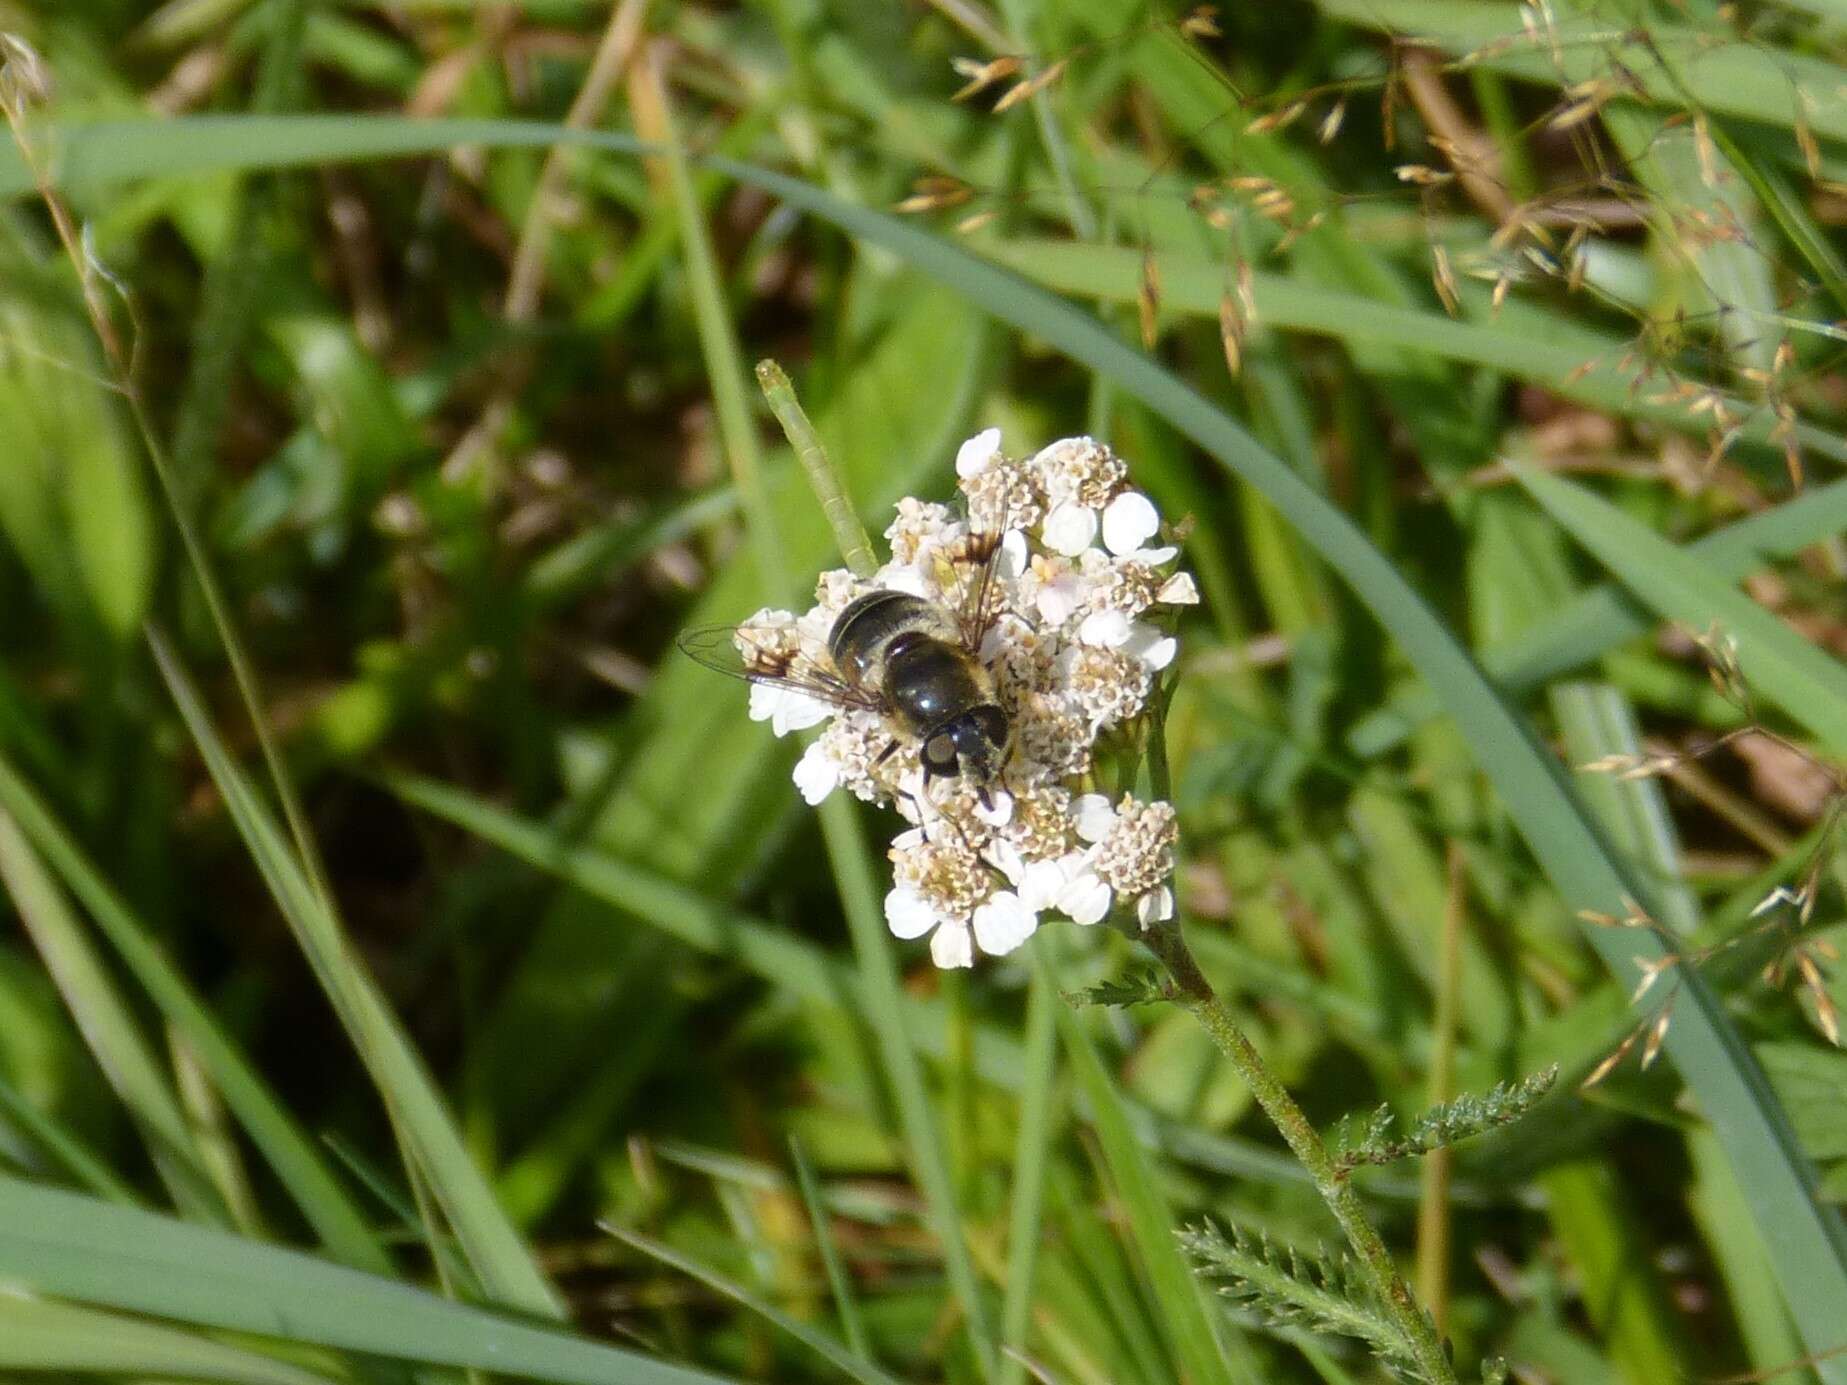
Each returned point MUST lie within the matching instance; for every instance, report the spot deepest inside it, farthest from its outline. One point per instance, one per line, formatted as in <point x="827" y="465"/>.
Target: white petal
<point x="901" y="577"/>
<point x="1151" y="557"/>
<point x="1003" y="923"/>
<point x="1107" y="628"/>
<point x="763" y="699"/>
<point x="1069" y="529"/>
<point x="817" y="773"/>
<point x="1005" y="858"/>
<point x="785" y="709"/>
<point x="952" y="946"/>
<point x="1094" y="816"/>
<point x="1084" y="900"/>
<point x="908" y="914"/>
<point x="1155" y="907"/>
<point x="1057" y="599"/>
<point x="1152" y="645"/>
<point x="978" y="453"/>
<point x="1179" y="590"/>
<point x="797" y="712"/>
<point x="1041" y="884"/>
<point x="1129" y="521"/>
<point x="1001" y="813"/>
<point x="1014" y="554"/>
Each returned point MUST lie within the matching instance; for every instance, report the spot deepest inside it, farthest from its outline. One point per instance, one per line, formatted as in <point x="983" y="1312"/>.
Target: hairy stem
<point x="1194" y="992"/>
<point x="849" y="534"/>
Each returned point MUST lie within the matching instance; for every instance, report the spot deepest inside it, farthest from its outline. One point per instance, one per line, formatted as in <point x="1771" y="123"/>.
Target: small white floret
<point x="786" y="709"/>
<point x="1003" y="923"/>
<point x="1152" y="645"/>
<point x="1109" y="629"/>
<point x="817" y="774"/>
<point x="1179" y="590"/>
<point x="1014" y="555"/>
<point x="1129" y="521"/>
<point x="1059" y="596"/>
<point x="908" y="914"/>
<point x="902" y="577"/>
<point x="978" y="453"/>
<point x="1157" y="906"/>
<point x="1043" y="881"/>
<point x="952" y="945"/>
<point x="1001" y="811"/>
<point x="1085" y="900"/>
<point x="1094" y="817"/>
<point x="1069" y="529"/>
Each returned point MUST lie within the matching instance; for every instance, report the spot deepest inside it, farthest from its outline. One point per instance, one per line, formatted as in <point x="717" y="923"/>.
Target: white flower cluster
<point x="1073" y="652"/>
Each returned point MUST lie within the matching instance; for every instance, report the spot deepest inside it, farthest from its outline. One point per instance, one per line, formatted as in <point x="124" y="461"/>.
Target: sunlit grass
<point x="398" y="910"/>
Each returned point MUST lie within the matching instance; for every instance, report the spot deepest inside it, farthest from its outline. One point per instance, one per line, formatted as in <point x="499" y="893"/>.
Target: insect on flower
<point x="965" y="683"/>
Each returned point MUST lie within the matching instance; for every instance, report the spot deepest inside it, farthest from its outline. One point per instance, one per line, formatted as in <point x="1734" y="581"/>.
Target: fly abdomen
<point x="929" y="681"/>
<point x="865" y="629"/>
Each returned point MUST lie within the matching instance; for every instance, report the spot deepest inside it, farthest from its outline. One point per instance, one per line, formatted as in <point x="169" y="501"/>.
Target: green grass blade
<point x="1525" y="341"/>
<point x="291" y="1155"/>
<point x="1601" y="619"/>
<point x="1779" y="665"/>
<point x="65" y="1149"/>
<point x="494" y="1248"/>
<point x="123" y="1053"/>
<point x="61" y="1244"/>
<point x="881" y="1000"/>
<point x="850" y="1363"/>
<point x="1181" y="1300"/>
<point x="1811" y="1253"/>
<point x="846" y="1303"/>
<point x="36" y="1335"/>
<point x="1675" y="60"/>
<point x="1032" y="1145"/>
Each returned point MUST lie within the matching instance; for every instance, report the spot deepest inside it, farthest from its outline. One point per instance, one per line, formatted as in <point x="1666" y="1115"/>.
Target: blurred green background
<point x="496" y="929"/>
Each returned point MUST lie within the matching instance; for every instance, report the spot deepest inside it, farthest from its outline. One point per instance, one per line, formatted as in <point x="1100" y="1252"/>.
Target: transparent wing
<point x="716" y="646"/>
<point x="980" y="556"/>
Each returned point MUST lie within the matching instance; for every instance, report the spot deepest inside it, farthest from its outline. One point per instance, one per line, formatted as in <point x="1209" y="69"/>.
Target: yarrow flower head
<point x="1074" y="640"/>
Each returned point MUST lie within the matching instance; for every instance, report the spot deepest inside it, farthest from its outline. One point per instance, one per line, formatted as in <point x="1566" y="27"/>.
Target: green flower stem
<point x="1193" y="991"/>
<point x="849" y="534"/>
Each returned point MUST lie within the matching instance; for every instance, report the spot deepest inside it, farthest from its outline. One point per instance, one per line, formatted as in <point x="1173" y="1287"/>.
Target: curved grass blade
<point x="1778" y="664"/>
<point x="108" y="1026"/>
<point x="1666" y="61"/>
<point x="1605" y="617"/>
<point x="36" y="1335"/>
<point x="294" y="1159"/>
<point x="1200" y="1339"/>
<point x="1810" y="1253"/>
<point x="62" y="1244"/>
<point x="1521" y="340"/>
<point x="824" y="1346"/>
<point x="494" y="1248"/>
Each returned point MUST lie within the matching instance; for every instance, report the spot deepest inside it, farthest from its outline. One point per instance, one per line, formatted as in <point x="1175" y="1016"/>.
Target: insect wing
<point x="980" y="605"/>
<point x="717" y="647"/>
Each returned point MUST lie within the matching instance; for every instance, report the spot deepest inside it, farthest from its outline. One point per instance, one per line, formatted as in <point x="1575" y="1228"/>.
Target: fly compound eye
<point x="939" y="754"/>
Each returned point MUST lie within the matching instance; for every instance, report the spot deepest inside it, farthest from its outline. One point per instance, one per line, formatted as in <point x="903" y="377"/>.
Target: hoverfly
<point x="914" y="661"/>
